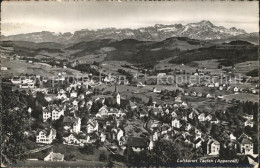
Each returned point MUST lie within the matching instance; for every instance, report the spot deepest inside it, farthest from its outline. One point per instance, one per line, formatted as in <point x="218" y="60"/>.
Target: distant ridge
<point x="204" y="30"/>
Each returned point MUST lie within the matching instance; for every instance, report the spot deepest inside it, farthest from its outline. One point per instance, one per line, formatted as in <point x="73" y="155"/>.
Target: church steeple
<point x="116" y="91"/>
<point x="116" y="94"/>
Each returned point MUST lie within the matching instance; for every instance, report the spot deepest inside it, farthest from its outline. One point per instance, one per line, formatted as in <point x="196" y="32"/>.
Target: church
<point x="116" y="95"/>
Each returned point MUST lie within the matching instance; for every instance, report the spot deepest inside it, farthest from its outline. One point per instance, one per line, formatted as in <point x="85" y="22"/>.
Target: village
<point x="81" y="112"/>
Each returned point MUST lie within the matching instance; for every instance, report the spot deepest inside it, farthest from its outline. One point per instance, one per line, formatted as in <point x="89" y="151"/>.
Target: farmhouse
<point x="46" y="136"/>
<point x="245" y="144"/>
<point x="54" y="157"/>
<point x="213" y="147"/>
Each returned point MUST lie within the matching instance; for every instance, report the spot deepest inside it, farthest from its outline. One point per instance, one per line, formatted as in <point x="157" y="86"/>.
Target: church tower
<point x="116" y="94"/>
<point x="118" y="98"/>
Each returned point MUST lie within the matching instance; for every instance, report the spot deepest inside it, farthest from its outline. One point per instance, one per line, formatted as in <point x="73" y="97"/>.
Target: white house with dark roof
<point x="249" y="123"/>
<point x="176" y="123"/>
<point x="92" y="126"/>
<point x="213" y="147"/>
<point x="246" y="145"/>
<point x="71" y="139"/>
<point x="54" y="157"/>
<point x="76" y="125"/>
<point x="202" y="117"/>
<point x="103" y="111"/>
<point x="46" y="136"/>
<point x="57" y="113"/>
<point x="46" y="113"/>
<point x="209" y="117"/>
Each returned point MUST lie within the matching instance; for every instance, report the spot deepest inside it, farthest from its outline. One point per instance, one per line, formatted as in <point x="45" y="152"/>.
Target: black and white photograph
<point x="129" y="83"/>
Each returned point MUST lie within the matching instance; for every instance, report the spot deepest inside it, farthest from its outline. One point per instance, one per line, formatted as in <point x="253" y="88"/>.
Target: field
<point x="245" y="67"/>
<point x="243" y="97"/>
<point x="206" y="90"/>
<point x="17" y="67"/>
<point x="144" y="93"/>
<point x="209" y="106"/>
<point x="206" y="65"/>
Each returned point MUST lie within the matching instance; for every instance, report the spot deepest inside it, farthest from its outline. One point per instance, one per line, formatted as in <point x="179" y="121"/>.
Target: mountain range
<point x="203" y="30"/>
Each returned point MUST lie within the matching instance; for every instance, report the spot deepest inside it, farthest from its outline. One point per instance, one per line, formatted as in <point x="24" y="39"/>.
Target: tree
<point x="150" y="101"/>
<point x="70" y="157"/>
<point x="102" y="157"/>
<point x="94" y="108"/>
<point x="228" y="152"/>
<point x="13" y="139"/>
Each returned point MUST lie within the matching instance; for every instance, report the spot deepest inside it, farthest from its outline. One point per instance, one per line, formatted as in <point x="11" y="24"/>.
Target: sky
<point x="26" y="17"/>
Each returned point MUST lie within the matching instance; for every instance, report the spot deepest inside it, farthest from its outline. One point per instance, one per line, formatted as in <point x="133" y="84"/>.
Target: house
<point x="164" y="129"/>
<point x="178" y="99"/>
<point x="71" y="139"/>
<point x="92" y="126"/>
<point x="198" y="133"/>
<point x="24" y="86"/>
<point x="184" y="104"/>
<point x="176" y="123"/>
<point x="143" y="114"/>
<point x="132" y="105"/>
<point x="209" y="96"/>
<point x="140" y="84"/>
<point x="174" y="115"/>
<point x="211" y="85"/>
<point x="201" y="117"/>
<point x="137" y="143"/>
<point x="115" y="112"/>
<point x="26" y="80"/>
<point x="236" y="89"/>
<point x="197" y="143"/>
<point x="209" y="117"/>
<point x="89" y="104"/>
<point x="254" y="91"/>
<point x="151" y="145"/>
<point x="103" y="137"/>
<point x="46" y="136"/>
<point x="4" y="68"/>
<point x="76" y="125"/>
<point x="232" y="137"/>
<point x="156" y="91"/>
<point x="54" y="157"/>
<point x="248" y="117"/>
<point x="213" y="147"/>
<point x="103" y="111"/>
<point x="75" y="103"/>
<point x="73" y="94"/>
<point x="245" y="145"/>
<point x="16" y="80"/>
<point x="153" y="124"/>
<point x="61" y="96"/>
<point x="199" y="94"/>
<point x="214" y="119"/>
<point x="188" y="127"/>
<point x="216" y="84"/>
<point x="120" y="134"/>
<point x="249" y="123"/>
<point x="191" y="115"/>
<point x="46" y="114"/>
<point x="56" y="114"/>
<point x="155" y="136"/>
